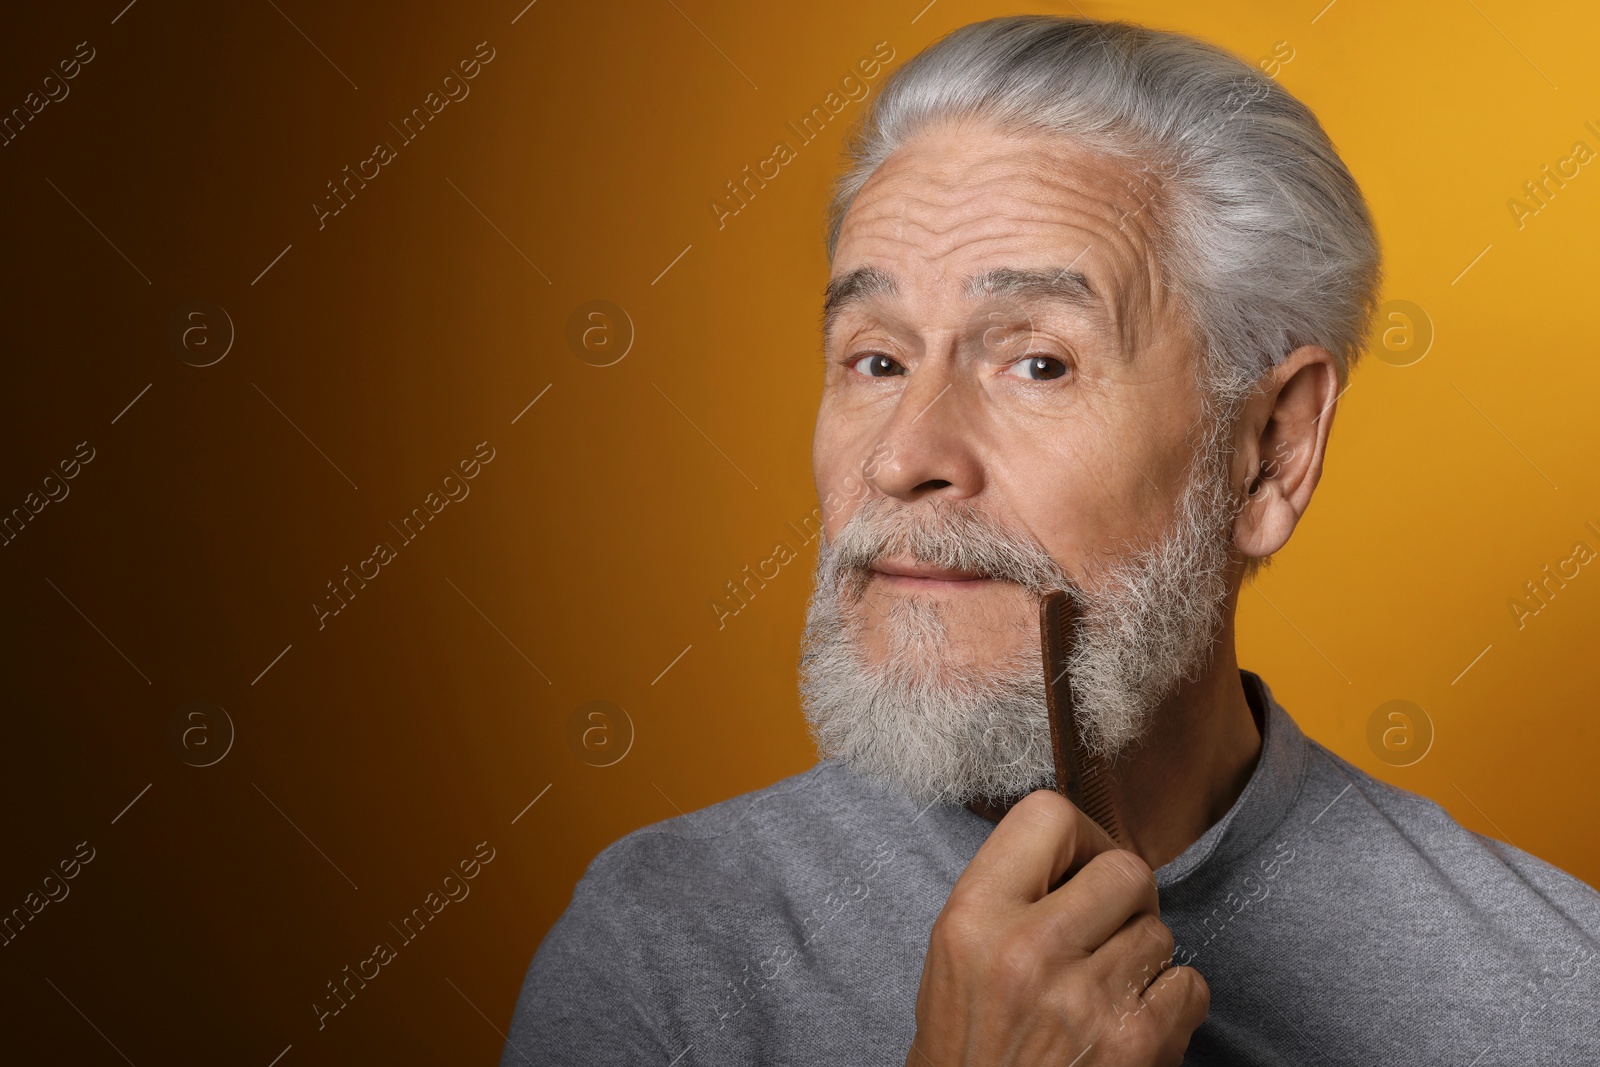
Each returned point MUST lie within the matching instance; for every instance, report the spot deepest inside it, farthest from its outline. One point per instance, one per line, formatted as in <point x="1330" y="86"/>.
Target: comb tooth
<point x="1080" y="777"/>
<point x="1099" y="806"/>
<point x="1058" y="691"/>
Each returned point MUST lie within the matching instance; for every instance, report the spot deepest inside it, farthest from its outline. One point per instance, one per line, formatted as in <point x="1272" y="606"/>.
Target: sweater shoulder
<point x="746" y="848"/>
<point x="1388" y="818"/>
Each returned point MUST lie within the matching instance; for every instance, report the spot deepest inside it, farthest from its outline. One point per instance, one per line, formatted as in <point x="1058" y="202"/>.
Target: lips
<point x="925" y="571"/>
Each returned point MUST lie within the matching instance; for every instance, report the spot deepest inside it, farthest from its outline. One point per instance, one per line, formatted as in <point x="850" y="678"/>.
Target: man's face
<point x="1009" y="390"/>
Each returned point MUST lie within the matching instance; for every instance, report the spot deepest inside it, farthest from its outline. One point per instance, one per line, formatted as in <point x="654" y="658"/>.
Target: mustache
<point x="941" y="533"/>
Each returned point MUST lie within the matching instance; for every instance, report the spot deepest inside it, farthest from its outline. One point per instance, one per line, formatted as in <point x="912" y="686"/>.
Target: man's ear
<point x="1280" y="440"/>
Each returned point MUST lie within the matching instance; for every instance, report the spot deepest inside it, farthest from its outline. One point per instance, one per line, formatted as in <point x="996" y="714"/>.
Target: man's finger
<point x="1135" y="955"/>
<point x="1177" y="1001"/>
<point x="1111" y="897"/>
<point x="1042" y="838"/>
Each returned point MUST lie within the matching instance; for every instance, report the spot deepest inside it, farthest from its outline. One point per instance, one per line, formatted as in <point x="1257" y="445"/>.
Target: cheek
<point x="1061" y="512"/>
<point x="1113" y="474"/>
<point x="1077" y="499"/>
<point x="841" y="456"/>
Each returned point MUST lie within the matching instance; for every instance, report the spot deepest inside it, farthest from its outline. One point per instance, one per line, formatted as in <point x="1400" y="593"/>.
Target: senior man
<point x="1095" y="292"/>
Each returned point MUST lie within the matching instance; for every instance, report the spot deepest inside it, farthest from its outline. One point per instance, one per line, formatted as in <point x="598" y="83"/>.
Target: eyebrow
<point x="1061" y="285"/>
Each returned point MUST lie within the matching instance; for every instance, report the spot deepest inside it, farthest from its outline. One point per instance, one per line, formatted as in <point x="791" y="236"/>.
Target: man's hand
<point x="1019" y="975"/>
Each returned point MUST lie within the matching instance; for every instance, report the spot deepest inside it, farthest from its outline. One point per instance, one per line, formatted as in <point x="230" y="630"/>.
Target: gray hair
<point x="1263" y="231"/>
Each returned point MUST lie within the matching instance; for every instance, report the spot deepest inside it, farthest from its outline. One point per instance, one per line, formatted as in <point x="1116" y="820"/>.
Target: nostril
<point x="934" y="483"/>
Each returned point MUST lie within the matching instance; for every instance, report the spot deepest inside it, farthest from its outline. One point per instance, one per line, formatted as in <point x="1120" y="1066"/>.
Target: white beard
<point x="931" y="728"/>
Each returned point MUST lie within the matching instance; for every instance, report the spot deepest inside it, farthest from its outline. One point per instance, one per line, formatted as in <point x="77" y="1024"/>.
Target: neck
<point x="1190" y="768"/>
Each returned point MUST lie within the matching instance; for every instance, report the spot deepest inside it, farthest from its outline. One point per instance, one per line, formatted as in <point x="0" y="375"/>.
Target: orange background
<point x="375" y="353"/>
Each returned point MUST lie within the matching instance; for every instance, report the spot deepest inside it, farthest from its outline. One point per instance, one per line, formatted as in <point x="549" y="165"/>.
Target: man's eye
<point x="1038" y="368"/>
<point x="876" y="365"/>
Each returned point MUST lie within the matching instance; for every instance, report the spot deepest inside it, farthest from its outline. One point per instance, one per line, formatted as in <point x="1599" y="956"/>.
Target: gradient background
<point x="372" y="355"/>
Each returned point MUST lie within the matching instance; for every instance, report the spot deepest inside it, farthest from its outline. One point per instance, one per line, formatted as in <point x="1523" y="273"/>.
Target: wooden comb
<point x="1080" y="777"/>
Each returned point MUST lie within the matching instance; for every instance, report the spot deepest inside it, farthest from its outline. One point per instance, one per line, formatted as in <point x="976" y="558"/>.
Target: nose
<point x="929" y="444"/>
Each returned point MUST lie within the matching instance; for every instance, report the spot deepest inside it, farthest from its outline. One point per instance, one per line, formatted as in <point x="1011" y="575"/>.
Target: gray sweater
<point x="1337" y="920"/>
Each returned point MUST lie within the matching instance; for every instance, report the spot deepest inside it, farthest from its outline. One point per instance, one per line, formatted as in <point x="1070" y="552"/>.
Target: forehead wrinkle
<point x="1115" y="218"/>
<point x="1137" y="200"/>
